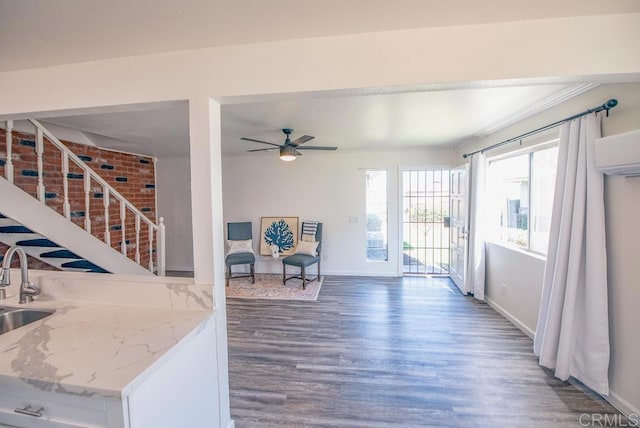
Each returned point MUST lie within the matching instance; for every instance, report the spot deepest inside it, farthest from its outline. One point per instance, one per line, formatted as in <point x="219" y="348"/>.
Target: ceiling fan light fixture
<point x="288" y="153"/>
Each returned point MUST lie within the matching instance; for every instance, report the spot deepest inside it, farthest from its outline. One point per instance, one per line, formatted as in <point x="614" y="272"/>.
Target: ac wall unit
<point x="619" y="154"/>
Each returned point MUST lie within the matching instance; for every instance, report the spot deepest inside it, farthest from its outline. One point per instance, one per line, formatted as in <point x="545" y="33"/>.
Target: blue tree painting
<point x="279" y="233"/>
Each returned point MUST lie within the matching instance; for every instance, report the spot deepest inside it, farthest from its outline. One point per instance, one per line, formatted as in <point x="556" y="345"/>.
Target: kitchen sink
<point x="12" y="318"/>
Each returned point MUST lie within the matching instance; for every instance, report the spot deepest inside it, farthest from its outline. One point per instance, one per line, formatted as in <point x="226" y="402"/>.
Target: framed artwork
<point x="279" y="231"/>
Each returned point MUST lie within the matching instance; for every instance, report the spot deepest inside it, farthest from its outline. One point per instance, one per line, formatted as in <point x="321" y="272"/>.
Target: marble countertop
<point x="100" y="349"/>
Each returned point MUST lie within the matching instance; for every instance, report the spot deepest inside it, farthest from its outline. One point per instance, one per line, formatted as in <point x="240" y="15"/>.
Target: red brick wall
<point x="132" y="176"/>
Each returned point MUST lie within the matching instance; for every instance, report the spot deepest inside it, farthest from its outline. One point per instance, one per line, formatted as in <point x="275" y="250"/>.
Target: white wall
<point x="173" y="190"/>
<point x="328" y="187"/>
<point x="545" y="50"/>
<point x="523" y="273"/>
<point x="514" y="285"/>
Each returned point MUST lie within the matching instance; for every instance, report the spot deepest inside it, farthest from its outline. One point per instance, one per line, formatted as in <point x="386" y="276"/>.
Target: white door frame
<point x="400" y="201"/>
<point x="459" y="226"/>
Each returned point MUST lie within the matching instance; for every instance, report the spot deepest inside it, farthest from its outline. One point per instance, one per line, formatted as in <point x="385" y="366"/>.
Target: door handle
<point x="30" y="411"/>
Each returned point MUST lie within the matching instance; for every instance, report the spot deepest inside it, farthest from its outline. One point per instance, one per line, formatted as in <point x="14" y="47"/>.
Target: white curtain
<point x="572" y="335"/>
<point x="476" y="212"/>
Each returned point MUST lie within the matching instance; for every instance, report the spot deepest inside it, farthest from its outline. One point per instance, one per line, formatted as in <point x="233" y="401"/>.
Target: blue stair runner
<point x="13" y="233"/>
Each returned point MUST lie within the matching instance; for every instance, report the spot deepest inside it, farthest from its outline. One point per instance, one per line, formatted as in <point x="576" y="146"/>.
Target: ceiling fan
<point x="290" y="149"/>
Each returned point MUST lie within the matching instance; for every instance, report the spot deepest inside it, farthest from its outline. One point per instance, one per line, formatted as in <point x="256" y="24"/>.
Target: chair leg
<point x="228" y="276"/>
<point x="284" y="274"/>
<point x="253" y="273"/>
<point x="304" y="279"/>
<point x="318" y="270"/>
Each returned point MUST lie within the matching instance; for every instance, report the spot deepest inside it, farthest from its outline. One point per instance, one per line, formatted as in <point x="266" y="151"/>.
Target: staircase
<point x="110" y="236"/>
<point x="36" y="245"/>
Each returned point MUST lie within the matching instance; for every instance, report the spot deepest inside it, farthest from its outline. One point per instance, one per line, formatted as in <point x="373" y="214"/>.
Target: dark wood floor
<point x="390" y="352"/>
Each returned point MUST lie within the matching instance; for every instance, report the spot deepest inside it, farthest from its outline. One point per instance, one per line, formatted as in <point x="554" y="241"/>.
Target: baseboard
<point x="354" y="273"/>
<point x="179" y="268"/>
<point x="179" y="273"/>
<point x="515" y="321"/>
<point x="614" y="399"/>
<point x="623" y="405"/>
<point x="312" y="271"/>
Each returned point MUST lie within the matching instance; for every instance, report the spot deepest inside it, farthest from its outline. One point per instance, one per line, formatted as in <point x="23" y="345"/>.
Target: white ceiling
<point x="381" y="121"/>
<point x="160" y="129"/>
<point x="37" y="33"/>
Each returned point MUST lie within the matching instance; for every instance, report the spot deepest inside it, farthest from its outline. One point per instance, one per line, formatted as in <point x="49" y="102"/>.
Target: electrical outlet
<point x="503" y="289"/>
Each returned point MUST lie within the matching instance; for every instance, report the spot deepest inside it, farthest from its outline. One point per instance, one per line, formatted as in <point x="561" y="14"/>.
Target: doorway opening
<point x="425" y="222"/>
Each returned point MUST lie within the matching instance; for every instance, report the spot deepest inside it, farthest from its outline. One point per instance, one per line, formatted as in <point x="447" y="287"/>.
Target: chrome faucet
<point x="27" y="290"/>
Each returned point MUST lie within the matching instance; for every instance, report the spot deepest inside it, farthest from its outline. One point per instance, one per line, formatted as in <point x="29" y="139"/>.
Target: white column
<point x="208" y="237"/>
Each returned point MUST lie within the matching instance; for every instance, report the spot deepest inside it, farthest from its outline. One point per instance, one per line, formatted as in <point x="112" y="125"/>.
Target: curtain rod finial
<point x="611" y="103"/>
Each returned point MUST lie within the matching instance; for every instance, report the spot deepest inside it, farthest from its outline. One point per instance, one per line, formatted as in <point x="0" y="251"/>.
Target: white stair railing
<point x="126" y="208"/>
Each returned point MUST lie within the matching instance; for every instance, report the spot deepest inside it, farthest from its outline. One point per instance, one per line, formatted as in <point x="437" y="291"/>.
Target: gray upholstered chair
<point x="303" y="261"/>
<point x="240" y="232"/>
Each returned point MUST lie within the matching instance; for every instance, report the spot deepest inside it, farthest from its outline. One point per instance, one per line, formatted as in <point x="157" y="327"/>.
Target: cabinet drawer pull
<point x="30" y="411"/>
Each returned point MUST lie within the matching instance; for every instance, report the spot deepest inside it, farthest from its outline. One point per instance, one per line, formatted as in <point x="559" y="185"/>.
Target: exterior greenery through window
<point x="425" y="221"/>
<point x="521" y="188"/>
<point x="376" y="210"/>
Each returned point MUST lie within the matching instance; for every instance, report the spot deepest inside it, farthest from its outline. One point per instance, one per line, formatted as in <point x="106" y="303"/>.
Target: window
<point x="376" y="208"/>
<point x="522" y="187"/>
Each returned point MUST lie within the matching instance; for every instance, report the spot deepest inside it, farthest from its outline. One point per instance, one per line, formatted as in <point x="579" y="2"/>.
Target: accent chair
<point x="240" y="252"/>
<point x="303" y="261"/>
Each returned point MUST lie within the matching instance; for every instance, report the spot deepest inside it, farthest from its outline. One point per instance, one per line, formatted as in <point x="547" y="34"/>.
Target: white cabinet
<point x="179" y="390"/>
<point x="57" y="409"/>
<point x="184" y="391"/>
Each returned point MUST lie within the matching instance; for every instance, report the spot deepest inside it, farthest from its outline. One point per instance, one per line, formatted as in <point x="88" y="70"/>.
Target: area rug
<point x="269" y="286"/>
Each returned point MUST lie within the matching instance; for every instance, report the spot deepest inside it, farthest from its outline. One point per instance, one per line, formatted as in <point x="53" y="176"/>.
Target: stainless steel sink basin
<point x="12" y="318"/>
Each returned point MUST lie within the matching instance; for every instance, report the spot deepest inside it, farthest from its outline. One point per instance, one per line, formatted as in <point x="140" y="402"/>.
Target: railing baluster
<point x="123" y="212"/>
<point x="40" y="152"/>
<point x="107" y="189"/>
<point x="138" y="238"/>
<point x="66" y="207"/>
<point x="151" y="248"/>
<point x="105" y="201"/>
<point x="161" y="247"/>
<point x="8" y="166"/>
<point x="87" y="201"/>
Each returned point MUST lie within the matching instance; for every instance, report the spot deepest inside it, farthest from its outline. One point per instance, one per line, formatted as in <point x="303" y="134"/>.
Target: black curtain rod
<point x="606" y="106"/>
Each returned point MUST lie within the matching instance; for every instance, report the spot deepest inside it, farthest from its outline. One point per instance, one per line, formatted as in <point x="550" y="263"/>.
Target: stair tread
<point x="15" y="229"/>
<point x="60" y="254"/>
<point x="84" y="264"/>
<point x="41" y="242"/>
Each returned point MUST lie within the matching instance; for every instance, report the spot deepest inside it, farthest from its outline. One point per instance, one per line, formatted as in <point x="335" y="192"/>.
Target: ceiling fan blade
<point x="302" y="139"/>
<point x="317" y="148"/>
<point x="263" y="150"/>
<point x="258" y="141"/>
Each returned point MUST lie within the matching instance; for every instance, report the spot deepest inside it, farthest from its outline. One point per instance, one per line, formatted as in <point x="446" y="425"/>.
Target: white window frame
<point x="366" y="258"/>
<point x="526" y="151"/>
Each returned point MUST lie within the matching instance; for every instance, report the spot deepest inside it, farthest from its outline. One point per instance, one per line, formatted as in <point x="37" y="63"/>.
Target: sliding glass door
<point x="425" y="222"/>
